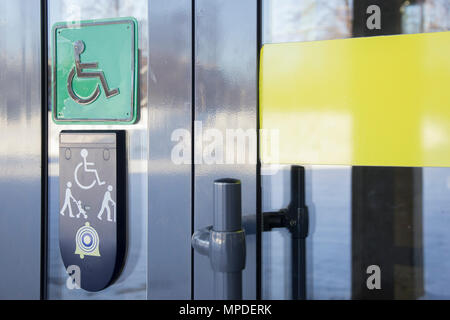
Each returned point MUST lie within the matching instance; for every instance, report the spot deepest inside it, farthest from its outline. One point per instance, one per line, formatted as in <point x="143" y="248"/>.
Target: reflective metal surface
<point x="169" y="184"/>
<point x="224" y="241"/>
<point x="225" y="98"/>
<point x="132" y="283"/>
<point x="20" y="149"/>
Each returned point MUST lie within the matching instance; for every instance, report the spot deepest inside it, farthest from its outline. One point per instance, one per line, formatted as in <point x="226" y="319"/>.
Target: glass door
<point x="375" y="232"/>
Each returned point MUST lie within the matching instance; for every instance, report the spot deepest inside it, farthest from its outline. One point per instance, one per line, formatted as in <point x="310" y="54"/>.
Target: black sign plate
<point x="92" y="202"/>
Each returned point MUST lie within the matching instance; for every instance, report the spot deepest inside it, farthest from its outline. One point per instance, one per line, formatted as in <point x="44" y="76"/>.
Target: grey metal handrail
<point x="224" y="241"/>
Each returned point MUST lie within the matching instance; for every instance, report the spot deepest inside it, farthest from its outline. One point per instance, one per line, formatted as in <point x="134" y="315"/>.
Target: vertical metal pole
<point x="44" y="147"/>
<point x="217" y="42"/>
<point x="299" y="235"/>
<point x="227" y="218"/>
<point x="228" y="285"/>
<point x="298" y="269"/>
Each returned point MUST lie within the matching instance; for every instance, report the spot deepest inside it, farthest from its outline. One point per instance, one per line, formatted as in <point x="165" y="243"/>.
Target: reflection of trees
<point x="88" y="9"/>
<point x="436" y="15"/>
<point x="425" y="15"/>
<point x="332" y="19"/>
<point x="307" y="20"/>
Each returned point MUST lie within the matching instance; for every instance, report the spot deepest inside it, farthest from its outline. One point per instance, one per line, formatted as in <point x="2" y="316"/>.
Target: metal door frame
<point x="226" y="97"/>
<point x="22" y="162"/>
<point x="171" y="223"/>
<point x="169" y="238"/>
<point x="170" y="186"/>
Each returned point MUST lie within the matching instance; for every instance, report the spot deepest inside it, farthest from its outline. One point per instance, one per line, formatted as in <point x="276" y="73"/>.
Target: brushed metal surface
<point x="20" y="149"/>
<point x="225" y="98"/>
<point x="169" y="184"/>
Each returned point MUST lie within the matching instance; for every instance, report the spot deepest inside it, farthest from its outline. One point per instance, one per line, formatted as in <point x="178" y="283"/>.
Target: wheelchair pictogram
<point x="78" y="48"/>
<point x="85" y="165"/>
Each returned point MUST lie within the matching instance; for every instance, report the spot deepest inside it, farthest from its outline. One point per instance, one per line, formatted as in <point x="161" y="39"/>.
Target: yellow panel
<point x="380" y="101"/>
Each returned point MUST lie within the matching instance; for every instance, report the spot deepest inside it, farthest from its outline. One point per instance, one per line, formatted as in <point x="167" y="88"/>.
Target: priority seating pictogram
<point x="78" y="49"/>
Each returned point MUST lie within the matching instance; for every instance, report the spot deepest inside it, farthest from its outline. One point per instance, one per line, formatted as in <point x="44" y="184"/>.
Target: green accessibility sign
<point x="95" y="71"/>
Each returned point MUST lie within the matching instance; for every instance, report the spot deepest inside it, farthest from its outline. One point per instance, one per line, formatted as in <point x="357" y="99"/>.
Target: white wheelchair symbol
<point x="85" y="164"/>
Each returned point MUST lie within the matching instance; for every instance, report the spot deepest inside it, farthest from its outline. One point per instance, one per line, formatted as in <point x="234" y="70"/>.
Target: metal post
<point x="299" y="233"/>
<point x="227" y="205"/>
<point x="224" y="241"/>
<point x="227" y="218"/>
<point x="295" y="218"/>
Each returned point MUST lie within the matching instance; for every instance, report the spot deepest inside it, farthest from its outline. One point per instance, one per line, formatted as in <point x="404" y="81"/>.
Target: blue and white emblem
<point x="87" y="241"/>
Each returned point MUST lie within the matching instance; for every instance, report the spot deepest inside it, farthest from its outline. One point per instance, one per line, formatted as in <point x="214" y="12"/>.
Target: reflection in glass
<point x="328" y="245"/>
<point x="307" y="20"/>
<point x="395" y="218"/>
<point x="312" y="20"/>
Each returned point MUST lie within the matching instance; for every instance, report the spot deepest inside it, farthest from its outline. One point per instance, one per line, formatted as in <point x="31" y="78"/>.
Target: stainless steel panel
<point x="225" y="98"/>
<point x="132" y="283"/>
<point x="20" y="149"/>
<point x="170" y="106"/>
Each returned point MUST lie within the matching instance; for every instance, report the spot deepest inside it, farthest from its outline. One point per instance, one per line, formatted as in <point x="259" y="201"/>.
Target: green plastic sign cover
<point x="95" y="73"/>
